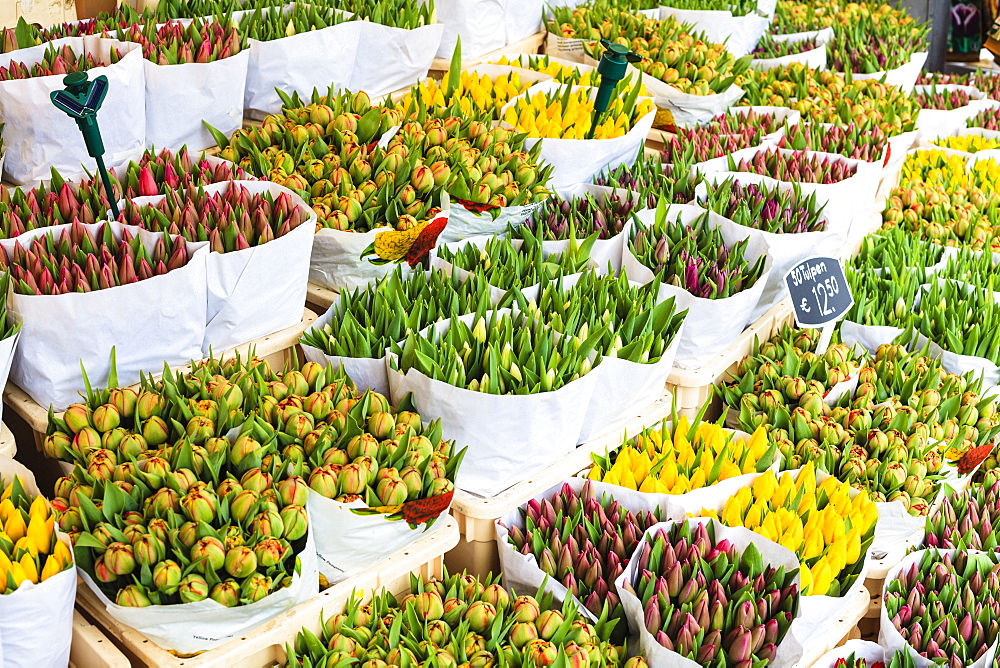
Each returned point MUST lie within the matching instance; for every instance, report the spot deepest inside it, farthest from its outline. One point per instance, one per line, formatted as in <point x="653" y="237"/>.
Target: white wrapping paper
<point x="194" y="627"/>
<point x="890" y="639"/>
<point x="260" y="290"/>
<point x="711" y="324"/>
<point x="336" y="262"/>
<point x="522" y="19"/>
<point x="300" y="63"/>
<point x="740" y="34"/>
<point x="813" y="58"/>
<point x="481" y="24"/>
<point x="904" y="76"/>
<point x="180" y="99"/>
<point x="688" y="109"/>
<point x="36" y="621"/>
<point x="509" y="437"/>
<point x="393" y="58"/>
<point x="789" y="650"/>
<point x="569" y="49"/>
<point x="149" y="323"/>
<point x="37" y="136"/>
<point x="348" y="543"/>
<point x="580" y="160"/>
<point x="7" y="347"/>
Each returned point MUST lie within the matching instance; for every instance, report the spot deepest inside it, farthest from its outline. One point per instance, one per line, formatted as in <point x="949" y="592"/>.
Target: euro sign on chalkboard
<point x="819" y="291"/>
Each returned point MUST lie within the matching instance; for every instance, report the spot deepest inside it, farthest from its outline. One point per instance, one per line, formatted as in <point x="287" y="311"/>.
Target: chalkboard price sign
<point x="819" y="290"/>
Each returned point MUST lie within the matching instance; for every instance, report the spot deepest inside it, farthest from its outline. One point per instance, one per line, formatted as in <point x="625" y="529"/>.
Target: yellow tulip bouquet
<point x="829" y="530"/>
<point x="476" y="94"/>
<point x="568" y="112"/>
<point x="682" y="457"/>
<point x="30" y="550"/>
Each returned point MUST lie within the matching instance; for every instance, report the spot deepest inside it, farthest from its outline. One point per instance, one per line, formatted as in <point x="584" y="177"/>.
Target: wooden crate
<point x="692" y="388"/>
<point x="320" y="299"/>
<point x="265" y="645"/>
<point x="276" y="348"/>
<point x="476" y="515"/>
<point x="92" y="649"/>
<point x="530" y="45"/>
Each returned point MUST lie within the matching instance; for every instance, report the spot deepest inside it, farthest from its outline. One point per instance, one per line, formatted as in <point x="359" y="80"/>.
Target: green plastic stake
<point x="80" y="101"/>
<point x="612" y="68"/>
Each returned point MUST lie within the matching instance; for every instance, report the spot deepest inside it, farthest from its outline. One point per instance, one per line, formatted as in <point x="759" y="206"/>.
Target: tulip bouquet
<point x="583" y="541"/>
<point x="964" y="519"/>
<point x="724" y="134"/>
<point x="55" y="61"/>
<point x="786" y="371"/>
<point x="769" y="48"/>
<point x="649" y="174"/>
<point x="560" y="219"/>
<point x="944" y="202"/>
<point x="267" y="24"/>
<point x="370" y="452"/>
<point x="230" y="221"/>
<point x="766" y="208"/>
<point x="968" y="143"/>
<point x="498" y="354"/>
<point x="680" y="457"/>
<point x="708" y="601"/>
<point x="945" y="605"/>
<point x="821" y="521"/>
<point x="641" y="327"/>
<point x="796" y="167"/>
<point x="174" y="43"/>
<point x="564" y="74"/>
<point x="859" y="143"/>
<point x="370" y="319"/>
<point x="211" y="399"/>
<point x="792" y="16"/>
<point x="30" y="550"/>
<point x="80" y="260"/>
<point x="827" y="97"/>
<point x="60" y="203"/>
<point x="735" y="7"/>
<point x="988" y="119"/>
<point x="185" y="526"/>
<point x="981" y="81"/>
<point x="55" y="204"/>
<point x="945" y="100"/>
<point x="356" y="186"/>
<point x="157" y="173"/>
<point x="870" y="45"/>
<point x="896" y="247"/>
<point x="189" y="9"/>
<point x="460" y="619"/>
<point x="600" y="20"/>
<point x="695" y="257"/>
<point x="474" y="93"/>
<point x="962" y="320"/>
<point x="568" y="113"/>
<point x="509" y="266"/>
<point x="972" y="267"/>
<point x="396" y="14"/>
<point x="887" y="437"/>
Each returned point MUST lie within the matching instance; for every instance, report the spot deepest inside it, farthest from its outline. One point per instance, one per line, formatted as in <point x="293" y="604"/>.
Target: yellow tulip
<point x="52" y="567"/>
<point x="62" y="554"/>
<point x="822" y="578"/>
<point x="6" y="509"/>
<point x="30" y="567"/>
<point x="39" y="508"/>
<point x="40" y="532"/>
<point x="15" y="526"/>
